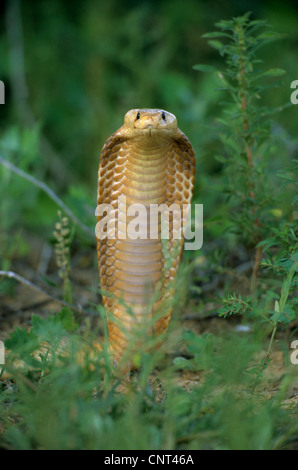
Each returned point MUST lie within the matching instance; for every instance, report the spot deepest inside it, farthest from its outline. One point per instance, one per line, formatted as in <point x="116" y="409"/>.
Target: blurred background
<point x="73" y="69"/>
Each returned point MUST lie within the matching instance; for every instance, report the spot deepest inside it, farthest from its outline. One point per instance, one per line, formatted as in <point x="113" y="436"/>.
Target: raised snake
<point x="147" y="161"/>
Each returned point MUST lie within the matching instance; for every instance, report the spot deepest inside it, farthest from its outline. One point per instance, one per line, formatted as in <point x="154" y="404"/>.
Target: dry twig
<point x="49" y="192"/>
<point x="23" y="280"/>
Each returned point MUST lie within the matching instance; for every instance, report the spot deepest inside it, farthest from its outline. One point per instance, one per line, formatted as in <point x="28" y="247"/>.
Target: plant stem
<point x="49" y="192"/>
<point x="285" y="290"/>
<point x="257" y="261"/>
<point x="271" y="341"/>
<point x="248" y="150"/>
<point x="19" y="278"/>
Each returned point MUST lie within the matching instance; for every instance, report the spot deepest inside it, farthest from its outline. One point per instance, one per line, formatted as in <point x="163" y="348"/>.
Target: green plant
<point x="245" y="133"/>
<point x="278" y="307"/>
<point x="62" y="251"/>
<point x="251" y="187"/>
<point x="69" y="398"/>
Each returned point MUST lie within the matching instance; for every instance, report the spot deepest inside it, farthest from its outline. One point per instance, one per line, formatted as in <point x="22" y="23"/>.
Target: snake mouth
<point x="155" y="132"/>
<point x="151" y="128"/>
<point x="148" y="128"/>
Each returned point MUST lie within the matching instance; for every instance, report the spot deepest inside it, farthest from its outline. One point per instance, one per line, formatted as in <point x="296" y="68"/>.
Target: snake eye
<point x="138" y="115"/>
<point x="163" y="115"/>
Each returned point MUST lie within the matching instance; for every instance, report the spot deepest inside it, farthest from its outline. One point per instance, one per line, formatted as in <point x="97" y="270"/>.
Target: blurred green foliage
<point x="71" y="73"/>
<point x="87" y="63"/>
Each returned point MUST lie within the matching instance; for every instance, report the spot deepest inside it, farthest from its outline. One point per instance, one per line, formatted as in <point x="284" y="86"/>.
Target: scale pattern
<point x="137" y="276"/>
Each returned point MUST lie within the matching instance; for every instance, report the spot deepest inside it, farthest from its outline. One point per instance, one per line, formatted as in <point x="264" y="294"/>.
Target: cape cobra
<point x="147" y="161"/>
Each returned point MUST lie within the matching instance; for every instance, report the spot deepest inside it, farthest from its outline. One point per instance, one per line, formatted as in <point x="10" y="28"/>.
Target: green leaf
<point x="22" y="341"/>
<point x="274" y="72"/>
<point x="216" y="44"/>
<point x="224" y="24"/>
<point x="54" y="326"/>
<point x="204" y="68"/>
<point x="271" y="35"/>
<point x="46" y="328"/>
<point x="286" y="263"/>
<point x="220" y="158"/>
<point x="272" y="294"/>
<point x="285" y="316"/>
<point x="49" y="281"/>
<point x="216" y="34"/>
<point x="182" y="363"/>
<point x="67" y="319"/>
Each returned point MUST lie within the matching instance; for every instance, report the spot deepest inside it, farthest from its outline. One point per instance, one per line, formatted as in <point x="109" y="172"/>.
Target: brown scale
<point x="149" y="161"/>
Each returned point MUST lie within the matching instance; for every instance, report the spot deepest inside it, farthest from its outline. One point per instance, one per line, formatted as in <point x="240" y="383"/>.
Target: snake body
<point x="147" y="161"/>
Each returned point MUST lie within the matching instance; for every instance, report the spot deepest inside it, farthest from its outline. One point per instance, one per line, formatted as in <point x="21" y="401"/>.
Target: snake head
<point x="149" y="122"/>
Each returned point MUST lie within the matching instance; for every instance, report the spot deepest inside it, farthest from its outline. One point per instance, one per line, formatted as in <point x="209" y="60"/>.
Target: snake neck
<point x="145" y="172"/>
<point x="149" y="145"/>
<point x="147" y="162"/>
<point x="138" y="272"/>
<point x="139" y="260"/>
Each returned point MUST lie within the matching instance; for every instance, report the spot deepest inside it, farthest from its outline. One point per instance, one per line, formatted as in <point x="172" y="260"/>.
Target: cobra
<point x="149" y="161"/>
